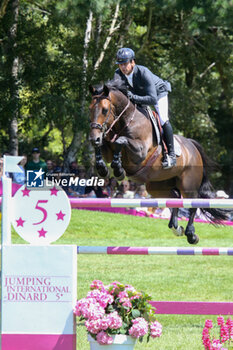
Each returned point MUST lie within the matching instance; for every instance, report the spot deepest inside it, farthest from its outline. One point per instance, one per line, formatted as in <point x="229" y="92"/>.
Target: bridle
<point x="103" y="127"/>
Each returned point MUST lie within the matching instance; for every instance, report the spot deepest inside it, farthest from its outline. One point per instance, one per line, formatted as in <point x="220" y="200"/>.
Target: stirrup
<point x="169" y="162"/>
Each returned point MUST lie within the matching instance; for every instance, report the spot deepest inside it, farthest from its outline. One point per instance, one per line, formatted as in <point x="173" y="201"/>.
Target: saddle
<point x="158" y="130"/>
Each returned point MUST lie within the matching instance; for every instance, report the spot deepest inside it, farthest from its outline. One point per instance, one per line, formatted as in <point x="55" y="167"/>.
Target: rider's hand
<point x="130" y="95"/>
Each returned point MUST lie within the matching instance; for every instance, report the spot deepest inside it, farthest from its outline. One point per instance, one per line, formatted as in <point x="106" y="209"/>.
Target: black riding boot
<point x="170" y="160"/>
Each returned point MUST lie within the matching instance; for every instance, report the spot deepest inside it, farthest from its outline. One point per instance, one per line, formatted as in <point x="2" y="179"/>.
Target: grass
<point x="194" y="278"/>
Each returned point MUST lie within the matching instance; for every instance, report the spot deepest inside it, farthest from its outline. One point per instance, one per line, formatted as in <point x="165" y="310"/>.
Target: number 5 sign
<point x="40" y="216"/>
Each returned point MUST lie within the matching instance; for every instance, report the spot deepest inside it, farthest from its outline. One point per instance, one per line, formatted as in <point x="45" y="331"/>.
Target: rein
<point x="116" y="135"/>
<point x="116" y="118"/>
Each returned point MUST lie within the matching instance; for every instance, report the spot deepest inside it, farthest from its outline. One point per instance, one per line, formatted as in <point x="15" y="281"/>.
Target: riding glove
<point x="130" y="95"/>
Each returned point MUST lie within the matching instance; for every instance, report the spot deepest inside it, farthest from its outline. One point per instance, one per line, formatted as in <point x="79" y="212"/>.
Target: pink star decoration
<point x="20" y="222"/>
<point x="60" y="215"/>
<point x="25" y="192"/>
<point x="53" y="191"/>
<point x="42" y="232"/>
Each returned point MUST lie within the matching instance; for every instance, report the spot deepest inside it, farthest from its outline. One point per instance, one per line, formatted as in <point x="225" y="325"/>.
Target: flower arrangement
<point x="117" y="309"/>
<point x="225" y="341"/>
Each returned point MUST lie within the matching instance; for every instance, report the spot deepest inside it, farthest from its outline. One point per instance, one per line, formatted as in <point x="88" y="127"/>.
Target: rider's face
<point x="127" y="68"/>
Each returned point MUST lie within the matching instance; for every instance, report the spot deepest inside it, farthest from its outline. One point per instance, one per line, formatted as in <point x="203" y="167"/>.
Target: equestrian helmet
<point x="124" y="55"/>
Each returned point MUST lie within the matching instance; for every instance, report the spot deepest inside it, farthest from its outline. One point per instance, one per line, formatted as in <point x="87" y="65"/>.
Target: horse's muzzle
<point x="97" y="142"/>
<point x="96" y="138"/>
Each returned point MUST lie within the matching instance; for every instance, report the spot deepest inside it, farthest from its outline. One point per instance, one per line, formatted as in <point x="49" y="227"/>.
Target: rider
<point x="146" y="88"/>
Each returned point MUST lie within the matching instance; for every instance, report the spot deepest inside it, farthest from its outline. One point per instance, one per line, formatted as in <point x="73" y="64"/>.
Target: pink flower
<point x="114" y="320"/>
<point x="229" y="322"/>
<point x="124" y="299"/>
<point x="155" y="329"/>
<point x="139" y="328"/>
<point x="207" y="344"/>
<point x="115" y="287"/>
<point x="103" y="338"/>
<point x="220" y="320"/>
<point x="206" y="338"/>
<point x="94" y="312"/>
<point x="123" y="296"/>
<point x="224" y="335"/>
<point x="205" y="332"/>
<point x="209" y="324"/>
<point x="127" y="304"/>
<point x="94" y="326"/>
<point x="104" y="323"/>
<point x="96" y="284"/>
<point x="216" y="344"/>
<point x="89" y="308"/>
<point x="129" y="288"/>
<point x="82" y="305"/>
<point x="102" y="297"/>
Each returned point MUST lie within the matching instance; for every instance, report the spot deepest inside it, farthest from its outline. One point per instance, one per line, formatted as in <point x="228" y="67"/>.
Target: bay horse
<point x="123" y="136"/>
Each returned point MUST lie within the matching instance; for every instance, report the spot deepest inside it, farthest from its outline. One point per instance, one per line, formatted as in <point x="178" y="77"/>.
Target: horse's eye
<point x="104" y="111"/>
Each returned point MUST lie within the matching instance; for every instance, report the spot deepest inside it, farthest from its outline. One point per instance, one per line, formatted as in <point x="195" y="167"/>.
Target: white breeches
<point x="162" y="109"/>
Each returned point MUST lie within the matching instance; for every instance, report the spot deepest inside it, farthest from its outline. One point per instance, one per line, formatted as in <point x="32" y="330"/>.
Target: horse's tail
<point x="206" y="190"/>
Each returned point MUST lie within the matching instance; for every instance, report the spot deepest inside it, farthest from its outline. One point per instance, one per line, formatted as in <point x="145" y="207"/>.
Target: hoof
<point x="192" y="239"/>
<point x="104" y="175"/>
<point x="102" y="171"/>
<point x="119" y="174"/>
<point x="116" y="163"/>
<point x="179" y="231"/>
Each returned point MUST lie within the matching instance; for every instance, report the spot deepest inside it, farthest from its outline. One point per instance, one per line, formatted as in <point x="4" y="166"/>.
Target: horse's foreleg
<point x="116" y="164"/>
<point x="192" y="238"/>
<point x="101" y="167"/>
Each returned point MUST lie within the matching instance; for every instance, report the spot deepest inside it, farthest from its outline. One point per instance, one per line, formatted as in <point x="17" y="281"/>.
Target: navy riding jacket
<point x="147" y="88"/>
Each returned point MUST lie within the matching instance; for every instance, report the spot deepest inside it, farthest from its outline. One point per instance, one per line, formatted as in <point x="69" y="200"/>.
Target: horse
<point x="123" y="136"/>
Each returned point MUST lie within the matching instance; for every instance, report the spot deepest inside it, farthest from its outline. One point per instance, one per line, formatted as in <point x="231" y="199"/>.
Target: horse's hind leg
<point x="192" y="238"/>
<point x="166" y="189"/>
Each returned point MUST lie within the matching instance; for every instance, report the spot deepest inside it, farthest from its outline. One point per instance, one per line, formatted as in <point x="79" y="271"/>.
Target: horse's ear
<point x="106" y="90"/>
<point x="91" y="89"/>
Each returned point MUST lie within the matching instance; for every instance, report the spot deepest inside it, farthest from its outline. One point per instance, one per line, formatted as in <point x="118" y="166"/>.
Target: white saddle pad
<point x="177" y="147"/>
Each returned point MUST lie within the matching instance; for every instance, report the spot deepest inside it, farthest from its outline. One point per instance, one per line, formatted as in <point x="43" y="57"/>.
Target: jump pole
<point x="151" y="202"/>
<point x="181" y="251"/>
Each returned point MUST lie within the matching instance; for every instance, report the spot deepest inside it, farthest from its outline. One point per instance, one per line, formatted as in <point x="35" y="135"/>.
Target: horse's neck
<point x="129" y="115"/>
<point x="122" y="106"/>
